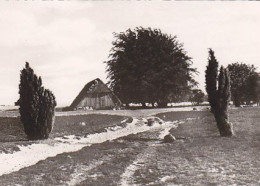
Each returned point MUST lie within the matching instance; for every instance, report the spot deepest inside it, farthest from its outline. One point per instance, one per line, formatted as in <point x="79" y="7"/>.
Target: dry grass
<point x="204" y="158"/>
<point x="198" y="157"/>
<point x="12" y="128"/>
<point x="12" y="134"/>
<point x="84" y="124"/>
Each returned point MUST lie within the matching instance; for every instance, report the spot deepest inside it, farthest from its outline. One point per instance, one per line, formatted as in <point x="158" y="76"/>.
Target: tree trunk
<point x="225" y="128"/>
<point x="162" y="104"/>
<point x="127" y="105"/>
<point x="237" y="102"/>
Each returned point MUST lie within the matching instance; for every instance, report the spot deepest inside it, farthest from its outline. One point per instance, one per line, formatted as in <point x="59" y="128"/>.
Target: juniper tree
<point x="37" y="105"/>
<point x="211" y="79"/>
<point x="219" y="96"/>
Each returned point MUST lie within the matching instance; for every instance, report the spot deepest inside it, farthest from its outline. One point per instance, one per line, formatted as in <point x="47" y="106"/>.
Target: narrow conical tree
<point x="211" y="80"/>
<point x="219" y="97"/>
<point x="37" y="105"/>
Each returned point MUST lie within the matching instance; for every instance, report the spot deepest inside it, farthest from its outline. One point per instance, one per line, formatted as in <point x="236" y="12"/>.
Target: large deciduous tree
<point x="253" y="88"/>
<point x="243" y="83"/>
<point x="218" y="89"/>
<point x="197" y="96"/>
<point x="148" y="66"/>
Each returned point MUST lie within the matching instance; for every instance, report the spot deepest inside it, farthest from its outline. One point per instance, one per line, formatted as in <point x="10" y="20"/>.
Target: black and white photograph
<point x="129" y="93"/>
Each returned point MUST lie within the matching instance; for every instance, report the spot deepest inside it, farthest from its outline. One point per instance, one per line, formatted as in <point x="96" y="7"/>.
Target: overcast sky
<point x="67" y="42"/>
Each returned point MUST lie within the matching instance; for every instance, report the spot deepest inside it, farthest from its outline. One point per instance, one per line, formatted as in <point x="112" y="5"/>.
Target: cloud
<point x="66" y="42"/>
<point x="22" y="27"/>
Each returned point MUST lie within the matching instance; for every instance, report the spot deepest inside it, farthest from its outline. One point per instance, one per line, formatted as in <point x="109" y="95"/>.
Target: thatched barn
<point x="95" y="95"/>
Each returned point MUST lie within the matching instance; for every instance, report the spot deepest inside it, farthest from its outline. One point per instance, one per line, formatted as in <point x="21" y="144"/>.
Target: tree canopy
<point x="197" y="97"/>
<point x="148" y="66"/>
<point x="243" y="83"/>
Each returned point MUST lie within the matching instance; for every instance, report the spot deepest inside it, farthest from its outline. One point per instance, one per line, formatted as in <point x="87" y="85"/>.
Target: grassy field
<point x="205" y="158"/>
<point x="12" y="134"/>
<point x="84" y="124"/>
<point x="198" y="156"/>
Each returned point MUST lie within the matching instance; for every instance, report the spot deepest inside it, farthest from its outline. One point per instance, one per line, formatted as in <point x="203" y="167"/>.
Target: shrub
<point x="37" y="105"/>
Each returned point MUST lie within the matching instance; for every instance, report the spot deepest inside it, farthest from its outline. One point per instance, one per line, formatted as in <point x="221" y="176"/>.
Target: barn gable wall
<point x="96" y="95"/>
<point x="97" y="102"/>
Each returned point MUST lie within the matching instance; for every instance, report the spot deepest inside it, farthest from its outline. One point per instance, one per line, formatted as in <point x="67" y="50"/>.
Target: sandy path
<point x="31" y="154"/>
<point x="140" y="113"/>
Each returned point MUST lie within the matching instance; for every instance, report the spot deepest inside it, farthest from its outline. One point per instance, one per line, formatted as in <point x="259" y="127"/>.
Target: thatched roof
<point x="93" y="89"/>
